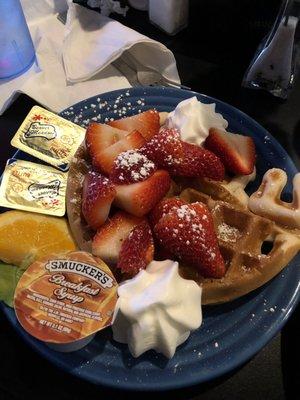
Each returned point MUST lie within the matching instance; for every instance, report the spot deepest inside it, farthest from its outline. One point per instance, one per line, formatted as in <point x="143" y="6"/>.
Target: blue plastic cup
<point x="16" y="48"/>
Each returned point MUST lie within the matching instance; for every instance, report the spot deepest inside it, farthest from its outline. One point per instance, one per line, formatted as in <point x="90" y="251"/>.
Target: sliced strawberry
<point x="105" y="159"/>
<point x="109" y="238"/>
<point x="200" y="163"/>
<point x="163" y="207"/>
<point x="180" y="158"/>
<point x="139" y="198"/>
<point x="137" y="250"/>
<point x="131" y="166"/>
<point x="147" y="123"/>
<point x="188" y="232"/>
<point x="237" y="152"/>
<point x="97" y="195"/>
<point x="99" y="136"/>
<point x="165" y="149"/>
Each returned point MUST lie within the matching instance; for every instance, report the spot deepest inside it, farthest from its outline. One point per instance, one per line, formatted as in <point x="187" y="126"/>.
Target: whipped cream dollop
<point x="193" y="119"/>
<point x="157" y="309"/>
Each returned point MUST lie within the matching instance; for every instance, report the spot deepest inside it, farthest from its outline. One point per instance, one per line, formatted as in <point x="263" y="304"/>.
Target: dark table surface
<point x="212" y="55"/>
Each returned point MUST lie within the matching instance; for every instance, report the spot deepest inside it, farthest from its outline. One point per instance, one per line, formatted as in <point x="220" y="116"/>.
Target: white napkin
<point x="68" y="68"/>
<point x="93" y="41"/>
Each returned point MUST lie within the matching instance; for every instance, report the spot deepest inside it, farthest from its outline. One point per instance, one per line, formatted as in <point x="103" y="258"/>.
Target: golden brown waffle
<point x="266" y="201"/>
<point x="163" y="115"/>
<point x="79" y="166"/>
<point x="241" y="235"/>
<point x="231" y="190"/>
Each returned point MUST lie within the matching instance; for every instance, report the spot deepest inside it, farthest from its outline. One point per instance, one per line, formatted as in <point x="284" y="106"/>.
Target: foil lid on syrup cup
<point x="63" y="300"/>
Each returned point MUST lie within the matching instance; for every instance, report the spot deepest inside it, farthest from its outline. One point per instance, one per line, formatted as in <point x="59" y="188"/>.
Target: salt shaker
<point x="169" y="15"/>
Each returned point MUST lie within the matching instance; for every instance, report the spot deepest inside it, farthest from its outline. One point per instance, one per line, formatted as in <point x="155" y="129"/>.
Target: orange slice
<point x="25" y="235"/>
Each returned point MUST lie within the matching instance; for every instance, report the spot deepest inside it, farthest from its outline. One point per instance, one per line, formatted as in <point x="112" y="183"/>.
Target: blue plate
<point x="231" y="333"/>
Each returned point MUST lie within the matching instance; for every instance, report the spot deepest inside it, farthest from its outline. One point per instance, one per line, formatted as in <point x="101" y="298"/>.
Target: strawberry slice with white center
<point x="139" y="198"/>
<point x="237" y="152"/>
<point x="97" y="195"/>
<point x="131" y="166"/>
<point x="163" y="207"/>
<point x="108" y="240"/>
<point x="147" y="123"/>
<point x="99" y="136"/>
<point x="104" y="160"/>
<point x="137" y="250"/>
<point x="188" y="233"/>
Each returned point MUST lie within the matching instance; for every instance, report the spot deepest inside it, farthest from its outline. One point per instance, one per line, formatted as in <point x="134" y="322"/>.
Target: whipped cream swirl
<point x="157" y="309"/>
<point x="193" y="120"/>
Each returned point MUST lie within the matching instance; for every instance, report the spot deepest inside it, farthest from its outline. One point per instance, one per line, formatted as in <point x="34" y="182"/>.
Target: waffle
<point x="79" y="166"/>
<point x="231" y="190"/>
<point x="266" y="200"/>
<point x="241" y="235"/>
<point x="163" y="115"/>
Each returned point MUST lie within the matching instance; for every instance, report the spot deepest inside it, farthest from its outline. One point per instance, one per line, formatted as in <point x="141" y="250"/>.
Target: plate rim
<point x="41" y="349"/>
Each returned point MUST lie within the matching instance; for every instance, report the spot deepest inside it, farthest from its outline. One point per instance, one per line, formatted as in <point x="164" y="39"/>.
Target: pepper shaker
<point x="169" y="15"/>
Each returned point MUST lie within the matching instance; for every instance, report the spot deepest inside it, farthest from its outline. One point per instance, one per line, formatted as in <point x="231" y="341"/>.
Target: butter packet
<point x="33" y="187"/>
<point x="48" y="137"/>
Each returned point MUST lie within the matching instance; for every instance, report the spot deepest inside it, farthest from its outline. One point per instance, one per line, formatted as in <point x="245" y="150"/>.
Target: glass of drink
<point x="16" y="48"/>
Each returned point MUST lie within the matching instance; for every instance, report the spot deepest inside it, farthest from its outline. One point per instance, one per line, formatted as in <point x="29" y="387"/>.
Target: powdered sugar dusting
<point x="186" y="213"/>
<point x="133" y="166"/>
<point x="97" y="110"/>
<point x="190" y="238"/>
<point x="165" y="148"/>
<point x="228" y="233"/>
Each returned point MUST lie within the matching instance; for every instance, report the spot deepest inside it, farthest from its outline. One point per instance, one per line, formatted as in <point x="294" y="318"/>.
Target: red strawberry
<point x="131" y="166"/>
<point x="137" y="250"/>
<point x="237" y="152"/>
<point x="139" y="198"/>
<point x="147" y="123"/>
<point x="163" y="207"/>
<point x="199" y="162"/>
<point x="188" y="232"/>
<point x="105" y="159"/>
<point x="97" y="195"/>
<point x="165" y="149"/>
<point x="99" y="136"/>
<point x="162" y="254"/>
<point x="109" y="238"/>
<point x="180" y="158"/>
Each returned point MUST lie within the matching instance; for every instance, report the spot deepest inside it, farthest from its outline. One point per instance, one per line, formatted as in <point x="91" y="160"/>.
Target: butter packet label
<point x="33" y="187"/>
<point x="66" y="297"/>
<point x="48" y="137"/>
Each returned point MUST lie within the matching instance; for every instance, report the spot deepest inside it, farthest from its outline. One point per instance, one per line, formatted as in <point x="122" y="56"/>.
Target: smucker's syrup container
<point x="63" y="300"/>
